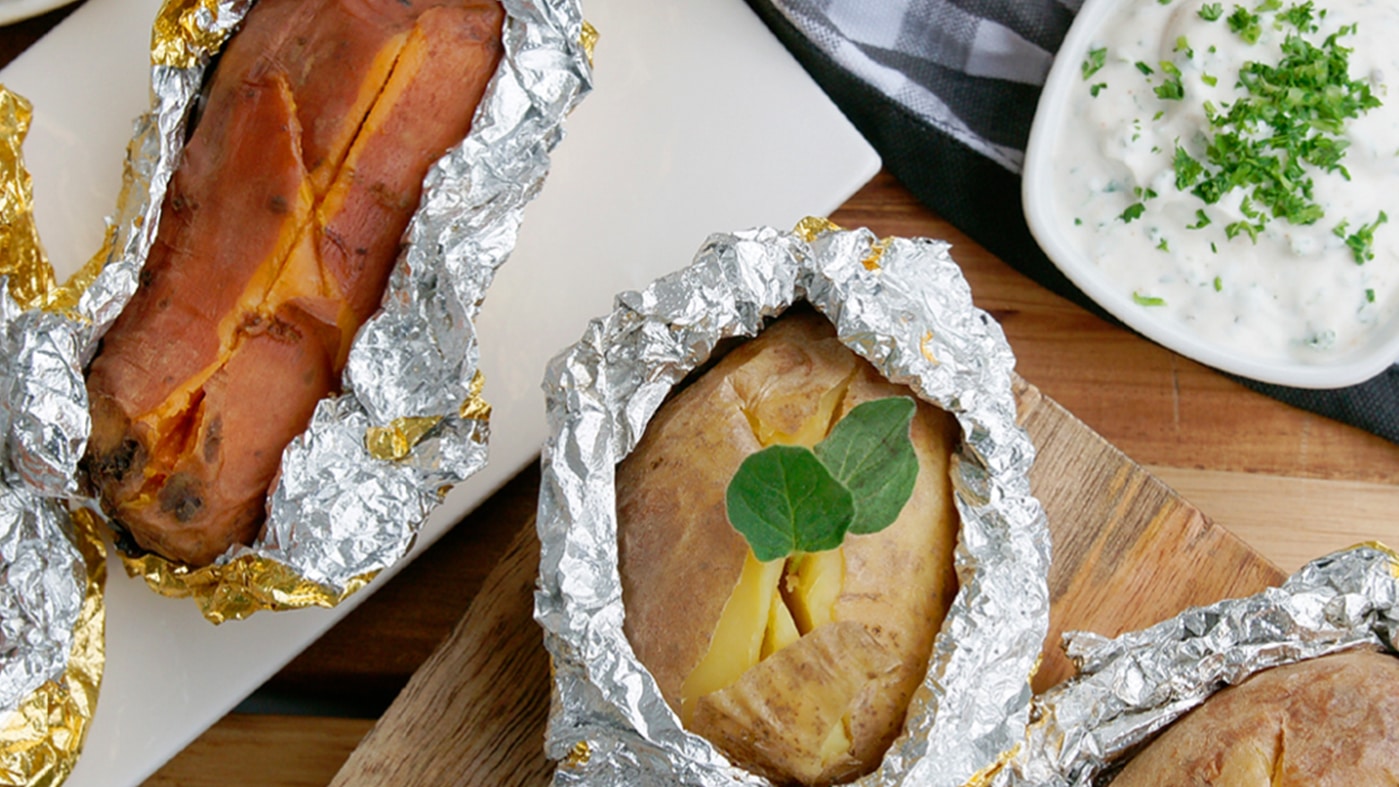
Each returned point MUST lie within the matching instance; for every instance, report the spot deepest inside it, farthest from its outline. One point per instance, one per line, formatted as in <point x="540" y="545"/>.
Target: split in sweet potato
<point x="277" y="236"/>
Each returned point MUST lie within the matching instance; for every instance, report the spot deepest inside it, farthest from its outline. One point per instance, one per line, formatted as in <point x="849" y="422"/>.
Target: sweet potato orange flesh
<point x="277" y="235"/>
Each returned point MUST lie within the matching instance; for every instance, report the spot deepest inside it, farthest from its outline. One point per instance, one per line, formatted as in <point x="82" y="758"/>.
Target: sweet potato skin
<point x="277" y="235"/>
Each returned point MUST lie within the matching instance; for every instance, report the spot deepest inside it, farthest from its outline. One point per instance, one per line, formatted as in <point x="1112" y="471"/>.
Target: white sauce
<point x="1297" y="293"/>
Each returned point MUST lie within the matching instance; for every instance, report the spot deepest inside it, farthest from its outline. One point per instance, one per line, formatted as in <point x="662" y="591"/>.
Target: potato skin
<point x="1326" y="721"/>
<point x="680" y="558"/>
<point x="277" y="235"/>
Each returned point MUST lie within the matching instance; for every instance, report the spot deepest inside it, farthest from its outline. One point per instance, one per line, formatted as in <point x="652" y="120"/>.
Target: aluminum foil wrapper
<point x="356" y="486"/>
<point x="904" y="306"/>
<point x="1131" y="687"/>
<point x="53" y="564"/>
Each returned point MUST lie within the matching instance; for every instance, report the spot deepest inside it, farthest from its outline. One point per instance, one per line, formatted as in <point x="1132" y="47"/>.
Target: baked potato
<point x="1326" y="721"/>
<point x="799" y="669"/>
<point x="277" y="235"/>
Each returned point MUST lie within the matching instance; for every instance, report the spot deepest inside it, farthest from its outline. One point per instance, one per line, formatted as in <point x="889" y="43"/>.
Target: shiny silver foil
<point x="340" y="511"/>
<point x="1133" y="686"/>
<point x="904" y="306"/>
<point x="44" y="578"/>
<point x="42" y="596"/>
<point x="52" y="569"/>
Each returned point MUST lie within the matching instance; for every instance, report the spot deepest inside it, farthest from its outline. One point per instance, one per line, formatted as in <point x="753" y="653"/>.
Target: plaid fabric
<point x="945" y="90"/>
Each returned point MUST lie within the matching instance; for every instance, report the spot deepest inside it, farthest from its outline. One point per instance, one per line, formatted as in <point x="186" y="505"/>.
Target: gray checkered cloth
<point x="946" y="90"/>
<point x="972" y="70"/>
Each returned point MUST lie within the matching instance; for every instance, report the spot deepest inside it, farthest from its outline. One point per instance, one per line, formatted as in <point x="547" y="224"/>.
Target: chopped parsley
<point x="1362" y="241"/>
<point x="1095" y="60"/>
<point x="1201" y="221"/>
<point x="1291" y="119"/>
<point x="1163" y="245"/>
<point x="1245" y="25"/>
<point x="1218" y="284"/>
<point x="1133" y="211"/>
<point x="1369" y="295"/>
<point x="1094" y="90"/>
<point x="1171" y="89"/>
<point x="1211" y="12"/>
<point x="1144" y="68"/>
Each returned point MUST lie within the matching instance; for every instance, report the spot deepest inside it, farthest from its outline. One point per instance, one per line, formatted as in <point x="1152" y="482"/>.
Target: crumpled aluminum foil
<point x="356" y="486"/>
<point x="904" y="306"/>
<point x="52" y="610"/>
<point x="1131" y="687"/>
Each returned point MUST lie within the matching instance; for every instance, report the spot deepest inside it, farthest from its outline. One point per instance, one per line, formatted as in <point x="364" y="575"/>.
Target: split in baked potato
<point x="800" y="669"/>
<point x="1331" y="720"/>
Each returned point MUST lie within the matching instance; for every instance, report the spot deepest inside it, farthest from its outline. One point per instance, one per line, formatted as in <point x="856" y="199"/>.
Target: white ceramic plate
<point x="1050" y="227"/>
<point x="700" y="122"/>
<point x="15" y="10"/>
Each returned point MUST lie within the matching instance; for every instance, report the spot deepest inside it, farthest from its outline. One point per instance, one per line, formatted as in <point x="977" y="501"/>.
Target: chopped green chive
<point x="1144" y="68"/>
<point x="1147" y="300"/>
<point x="1218" y="284"/>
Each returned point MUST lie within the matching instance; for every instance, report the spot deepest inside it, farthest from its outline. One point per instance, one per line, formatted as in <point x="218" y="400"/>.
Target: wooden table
<point x="1292" y="484"/>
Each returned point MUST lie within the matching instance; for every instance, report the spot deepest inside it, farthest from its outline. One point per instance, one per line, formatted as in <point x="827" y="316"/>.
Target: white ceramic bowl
<point x="1049" y="223"/>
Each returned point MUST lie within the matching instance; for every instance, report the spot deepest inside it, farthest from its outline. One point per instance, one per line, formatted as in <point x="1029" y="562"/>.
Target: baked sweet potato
<point x="799" y="669"/>
<point x="277" y="235"/>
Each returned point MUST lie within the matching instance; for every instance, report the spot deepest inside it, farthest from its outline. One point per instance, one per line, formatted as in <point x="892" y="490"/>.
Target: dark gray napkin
<point x="945" y="90"/>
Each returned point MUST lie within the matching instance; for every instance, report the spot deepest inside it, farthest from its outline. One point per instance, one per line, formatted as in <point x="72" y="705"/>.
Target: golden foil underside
<point x="396" y="440"/>
<point x="22" y="257"/>
<point x="237" y="589"/>
<point x="588" y="38"/>
<point x="41" y="739"/>
<point x="183" y="36"/>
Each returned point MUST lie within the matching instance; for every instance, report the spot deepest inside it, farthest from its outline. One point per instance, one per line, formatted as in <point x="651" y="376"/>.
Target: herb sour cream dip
<point x="1252" y="215"/>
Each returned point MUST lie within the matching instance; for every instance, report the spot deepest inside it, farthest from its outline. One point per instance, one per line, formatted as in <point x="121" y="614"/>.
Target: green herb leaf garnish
<point x="783" y="500"/>
<point x="786" y="499"/>
<point x="1211" y="11"/>
<point x="1133" y="211"/>
<point x="1148" y="300"/>
<point x="870" y="452"/>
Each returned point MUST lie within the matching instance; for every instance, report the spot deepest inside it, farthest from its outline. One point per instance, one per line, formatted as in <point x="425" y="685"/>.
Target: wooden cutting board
<point x="1128" y="552"/>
